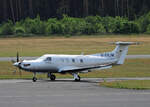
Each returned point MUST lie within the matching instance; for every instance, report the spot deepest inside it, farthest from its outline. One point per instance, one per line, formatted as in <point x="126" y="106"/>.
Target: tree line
<point x="16" y="10"/>
<point x="71" y="26"/>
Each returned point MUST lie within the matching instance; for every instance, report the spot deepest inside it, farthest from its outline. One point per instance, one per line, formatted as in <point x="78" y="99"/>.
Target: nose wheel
<point x="34" y="79"/>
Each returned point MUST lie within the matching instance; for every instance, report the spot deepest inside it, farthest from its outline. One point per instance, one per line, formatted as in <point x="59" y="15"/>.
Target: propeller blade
<point x="17" y="57"/>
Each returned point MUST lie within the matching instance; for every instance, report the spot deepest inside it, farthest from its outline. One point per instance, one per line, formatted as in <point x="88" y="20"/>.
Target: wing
<point x="80" y="69"/>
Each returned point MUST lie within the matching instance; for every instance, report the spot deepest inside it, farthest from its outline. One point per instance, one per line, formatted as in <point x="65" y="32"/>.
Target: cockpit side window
<point x="73" y="60"/>
<point x="48" y="59"/>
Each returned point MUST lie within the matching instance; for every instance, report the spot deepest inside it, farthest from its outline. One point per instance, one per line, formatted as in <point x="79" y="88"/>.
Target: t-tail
<point x="121" y="51"/>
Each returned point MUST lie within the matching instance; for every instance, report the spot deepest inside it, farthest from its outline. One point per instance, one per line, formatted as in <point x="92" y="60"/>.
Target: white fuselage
<point x="57" y="62"/>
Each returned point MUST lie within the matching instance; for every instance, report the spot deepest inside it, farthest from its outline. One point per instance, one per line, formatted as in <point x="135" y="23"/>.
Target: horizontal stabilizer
<point x="125" y="43"/>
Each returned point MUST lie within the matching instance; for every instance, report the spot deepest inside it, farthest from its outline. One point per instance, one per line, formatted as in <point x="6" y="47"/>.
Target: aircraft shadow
<point x="65" y="81"/>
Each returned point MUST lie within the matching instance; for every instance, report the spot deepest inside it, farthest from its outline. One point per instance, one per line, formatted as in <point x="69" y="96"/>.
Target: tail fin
<point x="121" y="51"/>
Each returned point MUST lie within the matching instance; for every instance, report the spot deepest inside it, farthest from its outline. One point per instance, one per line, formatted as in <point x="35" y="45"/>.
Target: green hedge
<point x="7" y="28"/>
<point x="144" y="21"/>
<point x="75" y="26"/>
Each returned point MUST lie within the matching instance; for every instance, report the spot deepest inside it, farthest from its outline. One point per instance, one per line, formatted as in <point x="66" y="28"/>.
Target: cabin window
<point x="73" y="60"/>
<point x="81" y="60"/>
<point x="48" y="59"/>
<point x="112" y="55"/>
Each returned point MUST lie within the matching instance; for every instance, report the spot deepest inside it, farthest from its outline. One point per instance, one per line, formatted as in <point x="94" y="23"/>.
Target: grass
<point x="131" y="68"/>
<point x="129" y="84"/>
<point x="37" y="46"/>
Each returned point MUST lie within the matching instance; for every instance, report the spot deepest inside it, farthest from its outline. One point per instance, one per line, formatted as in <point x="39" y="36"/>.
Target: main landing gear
<point x="51" y="76"/>
<point x="76" y="76"/>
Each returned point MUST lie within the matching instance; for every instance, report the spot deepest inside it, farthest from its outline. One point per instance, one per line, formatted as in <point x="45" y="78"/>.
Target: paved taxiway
<point x="67" y="93"/>
<point x="30" y="58"/>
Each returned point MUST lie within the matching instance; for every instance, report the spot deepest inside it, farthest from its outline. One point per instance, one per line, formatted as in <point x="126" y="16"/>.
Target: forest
<point x="74" y="16"/>
<point x="20" y="9"/>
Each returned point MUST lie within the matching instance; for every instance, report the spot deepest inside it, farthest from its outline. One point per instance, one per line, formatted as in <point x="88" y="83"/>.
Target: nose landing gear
<point x="34" y="77"/>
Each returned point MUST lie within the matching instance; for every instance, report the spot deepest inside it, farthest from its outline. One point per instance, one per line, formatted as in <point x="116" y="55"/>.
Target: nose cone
<point x="16" y="64"/>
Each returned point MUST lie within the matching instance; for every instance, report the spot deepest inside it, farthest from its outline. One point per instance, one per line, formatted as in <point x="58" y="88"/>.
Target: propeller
<point x="17" y="63"/>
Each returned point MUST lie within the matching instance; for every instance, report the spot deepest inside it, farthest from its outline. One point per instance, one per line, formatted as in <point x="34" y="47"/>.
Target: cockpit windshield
<point x="45" y="58"/>
<point x="41" y="58"/>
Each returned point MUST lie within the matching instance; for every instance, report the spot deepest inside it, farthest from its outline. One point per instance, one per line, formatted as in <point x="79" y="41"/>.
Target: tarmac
<point x="67" y="93"/>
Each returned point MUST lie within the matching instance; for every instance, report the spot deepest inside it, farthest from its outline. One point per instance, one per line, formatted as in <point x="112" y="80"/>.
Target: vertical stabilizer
<point x="121" y="51"/>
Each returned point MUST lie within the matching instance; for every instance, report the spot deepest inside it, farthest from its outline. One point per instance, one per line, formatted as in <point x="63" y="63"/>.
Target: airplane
<point x="74" y="64"/>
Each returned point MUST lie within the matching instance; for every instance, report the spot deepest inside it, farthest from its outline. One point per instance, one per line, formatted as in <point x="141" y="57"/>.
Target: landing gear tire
<point x="53" y="77"/>
<point x="34" y="79"/>
<point x="77" y="79"/>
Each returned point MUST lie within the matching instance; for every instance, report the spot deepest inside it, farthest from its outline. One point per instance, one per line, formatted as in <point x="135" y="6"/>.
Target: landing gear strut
<point x="76" y="77"/>
<point x="34" y="77"/>
<point x="51" y="76"/>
